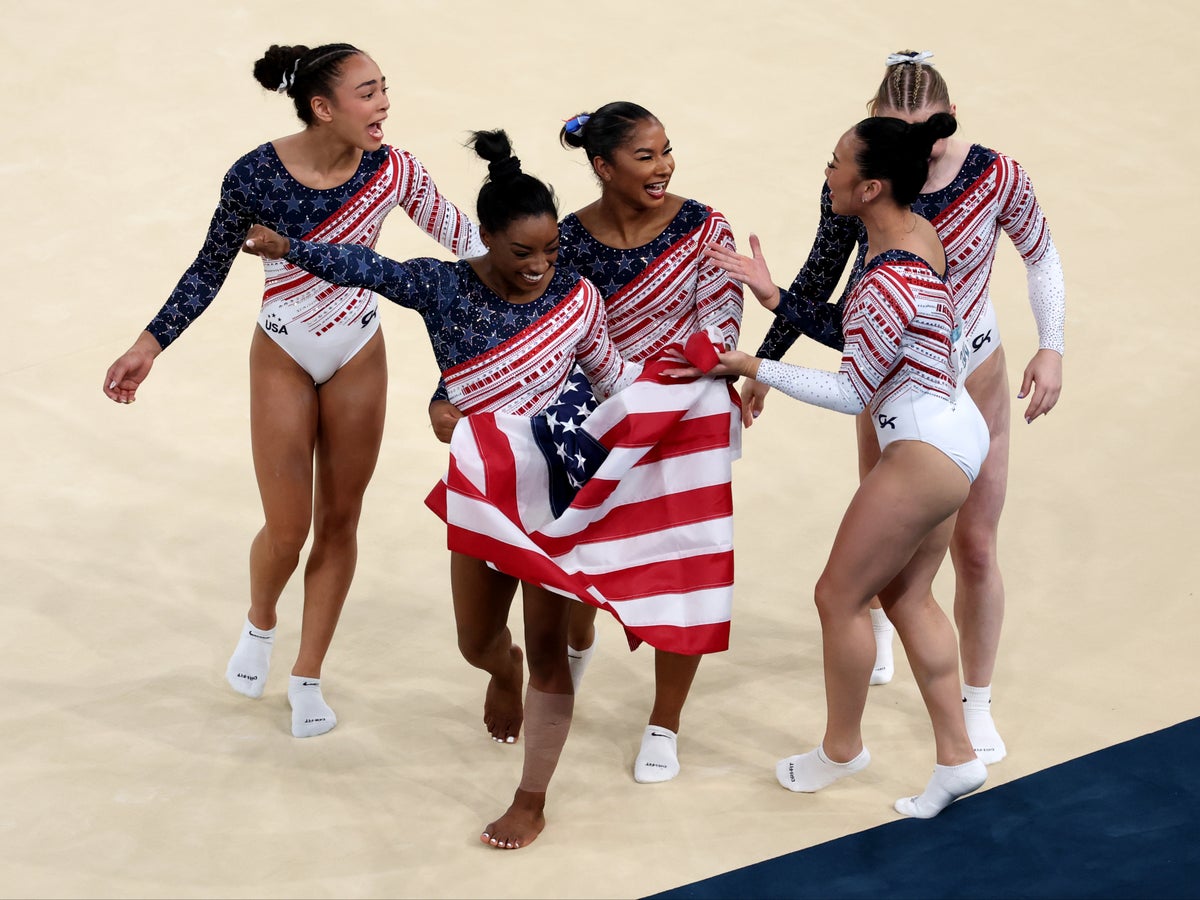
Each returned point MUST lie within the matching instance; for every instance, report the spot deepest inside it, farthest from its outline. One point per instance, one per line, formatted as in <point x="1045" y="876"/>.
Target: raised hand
<point x="751" y="271"/>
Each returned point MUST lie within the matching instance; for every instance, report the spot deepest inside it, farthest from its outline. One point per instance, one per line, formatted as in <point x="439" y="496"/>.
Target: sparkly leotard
<point x="990" y="193"/>
<point x="319" y="324"/>
<point x="495" y="356"/>
<point x="661" y="292"/>
<point x="904" y="357"/>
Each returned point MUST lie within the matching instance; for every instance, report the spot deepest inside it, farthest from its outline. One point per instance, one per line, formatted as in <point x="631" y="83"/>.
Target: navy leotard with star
<point x="259" y="189"/>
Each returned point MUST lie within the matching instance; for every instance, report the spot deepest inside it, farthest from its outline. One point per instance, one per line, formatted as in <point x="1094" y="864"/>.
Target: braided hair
<point x="909" y="85"/>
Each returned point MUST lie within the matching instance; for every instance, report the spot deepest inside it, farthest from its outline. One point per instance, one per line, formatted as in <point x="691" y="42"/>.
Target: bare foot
<point x="520" y="825"/>
<point x="503" y="708"/>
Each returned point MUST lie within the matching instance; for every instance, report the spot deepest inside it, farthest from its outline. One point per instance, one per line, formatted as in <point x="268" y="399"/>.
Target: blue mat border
<point x="1120" y="822"/>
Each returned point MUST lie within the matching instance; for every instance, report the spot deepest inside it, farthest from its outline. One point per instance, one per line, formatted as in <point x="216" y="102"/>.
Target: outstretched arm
<point x="350" y="265"/>
<point x="831" y="390"/>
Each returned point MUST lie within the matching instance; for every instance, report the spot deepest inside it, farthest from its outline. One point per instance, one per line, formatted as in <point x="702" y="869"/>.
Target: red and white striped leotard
<point x="527" y="372"/>
<point x="992" y="194"/>
<point x="904" y="358"/>
<point x="665" y="291"/>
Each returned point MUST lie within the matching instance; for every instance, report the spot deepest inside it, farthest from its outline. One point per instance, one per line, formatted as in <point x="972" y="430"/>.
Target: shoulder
<point x="995" y="160"/>
<point x="713" y="216"/>
<point x="263" y="157"/>
<point x="716" y="226"/>
<point x="431" y="270"/>
<point x="586" y="217"/>
<point x="1010" y="166"/>
<point x="403" y="160"/>
<point x="579" y="288"/>
<point x="573" y="239"/>
<point x="253" y="173"/>
<point x="893" y="272"/>
<point x="570" y="229"/>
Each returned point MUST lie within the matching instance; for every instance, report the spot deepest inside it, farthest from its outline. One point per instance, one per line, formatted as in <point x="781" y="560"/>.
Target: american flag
<point x="626" y="505"/>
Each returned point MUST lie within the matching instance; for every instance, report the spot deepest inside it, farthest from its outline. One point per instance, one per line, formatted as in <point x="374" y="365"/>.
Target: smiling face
<point x="640" y="169"/>
<point x="523" y="254"/>
<point x="359" y="104"/>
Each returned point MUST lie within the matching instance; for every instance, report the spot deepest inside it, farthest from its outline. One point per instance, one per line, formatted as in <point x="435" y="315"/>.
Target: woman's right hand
<point x="751" y="271"/>
<point x="754" y="395"/>
<point x="443" y="416"/>
<point x="262" y="241"/>
<point x="123" y="377"/>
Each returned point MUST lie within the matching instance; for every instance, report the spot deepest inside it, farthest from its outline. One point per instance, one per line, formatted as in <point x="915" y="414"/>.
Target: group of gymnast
<point x="534" y="305"/>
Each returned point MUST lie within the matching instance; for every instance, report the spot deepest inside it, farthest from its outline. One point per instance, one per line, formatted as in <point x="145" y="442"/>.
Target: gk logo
<point x="980" y="340"/>
<point x="366" y="320"/>
<point x="887" y="421"/>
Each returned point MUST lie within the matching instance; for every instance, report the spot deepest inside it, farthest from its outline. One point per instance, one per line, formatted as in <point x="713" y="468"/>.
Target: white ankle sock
<point x="247" y="669"/>
<point x="947" y="785"/>
<point x="658" y="759"/>
<point x="311" y="715"/>
<point x="577" y="661"/>
<point x="811" y="771"/>
<point x="885" y="665"/>
<point x="977" y="710"/>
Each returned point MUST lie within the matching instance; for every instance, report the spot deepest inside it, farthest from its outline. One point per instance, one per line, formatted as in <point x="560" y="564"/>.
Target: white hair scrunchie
<point x="288" y="79"/>
<point x="899" y="59"/>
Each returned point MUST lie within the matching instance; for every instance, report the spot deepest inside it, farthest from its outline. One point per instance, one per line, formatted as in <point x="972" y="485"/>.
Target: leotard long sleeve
<point x="662" y="292"/>
<point x="900" y="325"/>
<point x="495" y="356"/>
<point x="991" y="193"/>
<point x="258" y="188"/>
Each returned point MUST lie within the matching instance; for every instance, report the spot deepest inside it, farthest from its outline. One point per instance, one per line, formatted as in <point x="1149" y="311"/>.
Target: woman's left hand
<point x="1044" y="376"/>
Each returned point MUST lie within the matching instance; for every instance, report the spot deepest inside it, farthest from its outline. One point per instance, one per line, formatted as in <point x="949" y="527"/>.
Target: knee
<point x="973" y="551"/>
<point x="545" y="671"/>
<point x="337" y="525"/>
<point x="827" y="598"/>
<point x="474" y="649"/>
<point x="286" y="540"/>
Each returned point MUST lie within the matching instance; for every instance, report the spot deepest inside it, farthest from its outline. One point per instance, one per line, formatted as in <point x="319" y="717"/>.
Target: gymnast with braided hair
<point x="904" y="365"/>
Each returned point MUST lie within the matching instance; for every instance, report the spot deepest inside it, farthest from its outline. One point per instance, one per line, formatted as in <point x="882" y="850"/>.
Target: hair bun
<point x="940" y="125"/>
<point x="500" y="169"/>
